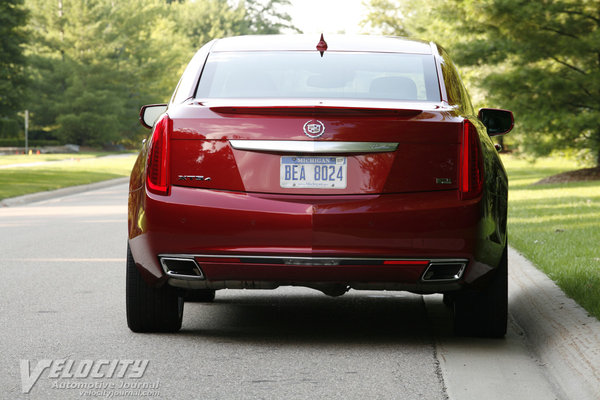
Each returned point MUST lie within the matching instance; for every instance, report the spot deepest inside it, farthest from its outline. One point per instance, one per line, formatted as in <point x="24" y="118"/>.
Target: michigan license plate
<point x="315" y="172"/>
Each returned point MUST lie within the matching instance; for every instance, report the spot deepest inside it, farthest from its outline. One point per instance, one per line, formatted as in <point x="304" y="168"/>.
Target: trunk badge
<point x="193" y="178"/>
<point x="314" y="128"/>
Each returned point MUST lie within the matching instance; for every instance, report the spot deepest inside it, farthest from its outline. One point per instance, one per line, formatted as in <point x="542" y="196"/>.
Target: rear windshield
<point x="307" y="75"/>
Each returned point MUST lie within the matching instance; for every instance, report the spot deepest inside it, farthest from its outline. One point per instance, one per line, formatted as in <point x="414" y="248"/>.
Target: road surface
<point x="64" y="333"/>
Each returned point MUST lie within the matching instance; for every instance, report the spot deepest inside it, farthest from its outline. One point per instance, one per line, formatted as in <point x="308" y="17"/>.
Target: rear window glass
<point x="378" y="76"/>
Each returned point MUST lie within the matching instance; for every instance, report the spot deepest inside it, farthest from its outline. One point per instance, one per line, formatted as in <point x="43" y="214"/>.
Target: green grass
<point x="24" y="159"/>
<point x="557" y="226"/>
<point x="77" y="171"/>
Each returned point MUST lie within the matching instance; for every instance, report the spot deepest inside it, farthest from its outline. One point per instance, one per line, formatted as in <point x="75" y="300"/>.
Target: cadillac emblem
<point x="314" y="128"/>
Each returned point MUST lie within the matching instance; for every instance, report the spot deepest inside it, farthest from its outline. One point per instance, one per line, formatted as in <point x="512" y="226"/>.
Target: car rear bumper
<point x="267" y="272"/>
<point x="247" y="229"/>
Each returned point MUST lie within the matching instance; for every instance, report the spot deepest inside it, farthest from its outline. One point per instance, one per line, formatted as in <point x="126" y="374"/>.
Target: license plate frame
<point x="313" y="172"/>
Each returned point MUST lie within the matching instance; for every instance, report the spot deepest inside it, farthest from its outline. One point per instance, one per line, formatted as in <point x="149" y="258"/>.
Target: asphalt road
<point x="63" y="332"/>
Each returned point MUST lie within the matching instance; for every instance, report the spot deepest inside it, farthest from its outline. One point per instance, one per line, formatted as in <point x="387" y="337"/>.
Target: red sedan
<point x="332" y="163"/>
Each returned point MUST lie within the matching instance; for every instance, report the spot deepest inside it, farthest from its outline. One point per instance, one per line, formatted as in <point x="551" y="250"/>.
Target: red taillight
<point x="471" y="163"/>
<point x="406" y="262"/>
<point x="158" y="159"/>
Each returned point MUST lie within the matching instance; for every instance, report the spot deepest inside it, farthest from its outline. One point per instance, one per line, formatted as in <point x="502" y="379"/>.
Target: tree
<point x="13" y="19"/>
<point x="266" y="17"/>
<point x="539" y="58"/>
<point x="202" y="21"/>
<point x="95" y="62"/>
<point x="386" y="16"/>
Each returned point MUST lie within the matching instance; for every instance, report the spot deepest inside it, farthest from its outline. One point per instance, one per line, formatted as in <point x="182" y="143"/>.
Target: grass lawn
<point x="557" y="226"/>
<point x="78" y="170"/>
<point x="25" y="159"/>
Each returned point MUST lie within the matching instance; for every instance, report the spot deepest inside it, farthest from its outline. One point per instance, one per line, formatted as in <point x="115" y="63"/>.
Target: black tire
<point x="150" y="309"/>
<point x="199" y="296"/>
<point x="448" y="300"/>
<point x="484" y="313"/>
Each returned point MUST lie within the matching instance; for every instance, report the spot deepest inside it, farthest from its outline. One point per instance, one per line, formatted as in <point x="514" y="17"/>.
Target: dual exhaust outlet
<point x="436" y="271"/>
<point x="181" y="268"/>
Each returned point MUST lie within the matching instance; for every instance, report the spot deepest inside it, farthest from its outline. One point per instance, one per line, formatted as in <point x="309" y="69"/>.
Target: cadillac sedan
<point x="333" y="163"/>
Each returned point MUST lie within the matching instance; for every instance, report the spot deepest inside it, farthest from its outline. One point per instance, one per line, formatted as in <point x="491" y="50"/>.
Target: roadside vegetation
<point x="540" y="62"/>
<point x="84" y="68"/>
<point x="11" y="159"/>
<point x="74" y="170"/>
<point x="557" y="226"/>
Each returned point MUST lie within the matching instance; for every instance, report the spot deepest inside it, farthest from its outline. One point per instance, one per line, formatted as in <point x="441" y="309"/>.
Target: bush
<point x="16" y="142"/>
<point x="9" y="127"/>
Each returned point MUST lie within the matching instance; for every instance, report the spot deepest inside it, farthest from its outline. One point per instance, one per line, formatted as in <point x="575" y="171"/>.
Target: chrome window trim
<point x="313" y="147"/>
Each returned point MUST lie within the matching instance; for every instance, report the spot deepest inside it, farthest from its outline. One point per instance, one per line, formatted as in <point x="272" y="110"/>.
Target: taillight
<point x="157" y="170"/>
<point x="471" y="163"/>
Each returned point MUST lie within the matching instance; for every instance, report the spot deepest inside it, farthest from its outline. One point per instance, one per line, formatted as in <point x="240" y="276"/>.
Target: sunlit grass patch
<point x="10" y="159"/>
<point x="79" y="171"/>
<point x="557" y="226"/>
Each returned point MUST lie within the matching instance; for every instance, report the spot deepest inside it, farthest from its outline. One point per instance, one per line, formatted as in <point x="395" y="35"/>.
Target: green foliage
<point x="203" y="21"/>
<point x="17" y="142"/>
<point x="93" y="63"/>
<point x="13" y="19"/>
<point x="266" y="17"/>
<point x="9" y="126"/>
<point x="539" y="58"/>
<point x="386" y="16"/>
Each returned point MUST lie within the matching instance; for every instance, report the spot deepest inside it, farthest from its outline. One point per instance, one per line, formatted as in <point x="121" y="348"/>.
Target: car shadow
<point x="297" y="315"/>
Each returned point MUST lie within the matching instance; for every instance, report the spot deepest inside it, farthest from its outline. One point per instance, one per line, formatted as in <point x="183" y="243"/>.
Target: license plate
<point x="315" y="172"/>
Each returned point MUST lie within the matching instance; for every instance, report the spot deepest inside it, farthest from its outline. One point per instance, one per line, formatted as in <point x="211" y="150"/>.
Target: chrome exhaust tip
<point x="444" y="271"/>
<point x="181" y="268"/>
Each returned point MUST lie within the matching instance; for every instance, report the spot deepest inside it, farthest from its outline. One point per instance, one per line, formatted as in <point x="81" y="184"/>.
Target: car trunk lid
<point x="272" y="148"/>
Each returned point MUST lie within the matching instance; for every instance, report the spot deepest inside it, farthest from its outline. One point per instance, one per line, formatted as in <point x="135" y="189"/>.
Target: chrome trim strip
<point x="183" y="277"/>
<point x="317" y="259"/>
<point x="313" y="147"/>
<point x="305" y="259"/>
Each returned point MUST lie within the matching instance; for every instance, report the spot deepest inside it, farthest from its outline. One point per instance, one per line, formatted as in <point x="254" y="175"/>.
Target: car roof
<point x="357" y="43"/>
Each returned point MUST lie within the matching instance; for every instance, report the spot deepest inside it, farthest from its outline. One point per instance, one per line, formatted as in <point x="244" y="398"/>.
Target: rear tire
<point x="448" y="300"/>
<point x="150" y="309"/>
<point x="484" y="313"/>
<point x="199" y="296"/>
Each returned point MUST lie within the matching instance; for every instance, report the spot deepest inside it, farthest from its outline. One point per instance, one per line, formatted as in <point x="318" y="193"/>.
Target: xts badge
<point x="193" y="178"/>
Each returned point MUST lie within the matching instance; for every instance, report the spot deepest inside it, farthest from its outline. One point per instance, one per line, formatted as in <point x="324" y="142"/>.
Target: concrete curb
<point x="41" y="196"/>
<point x="561" y="333"/>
